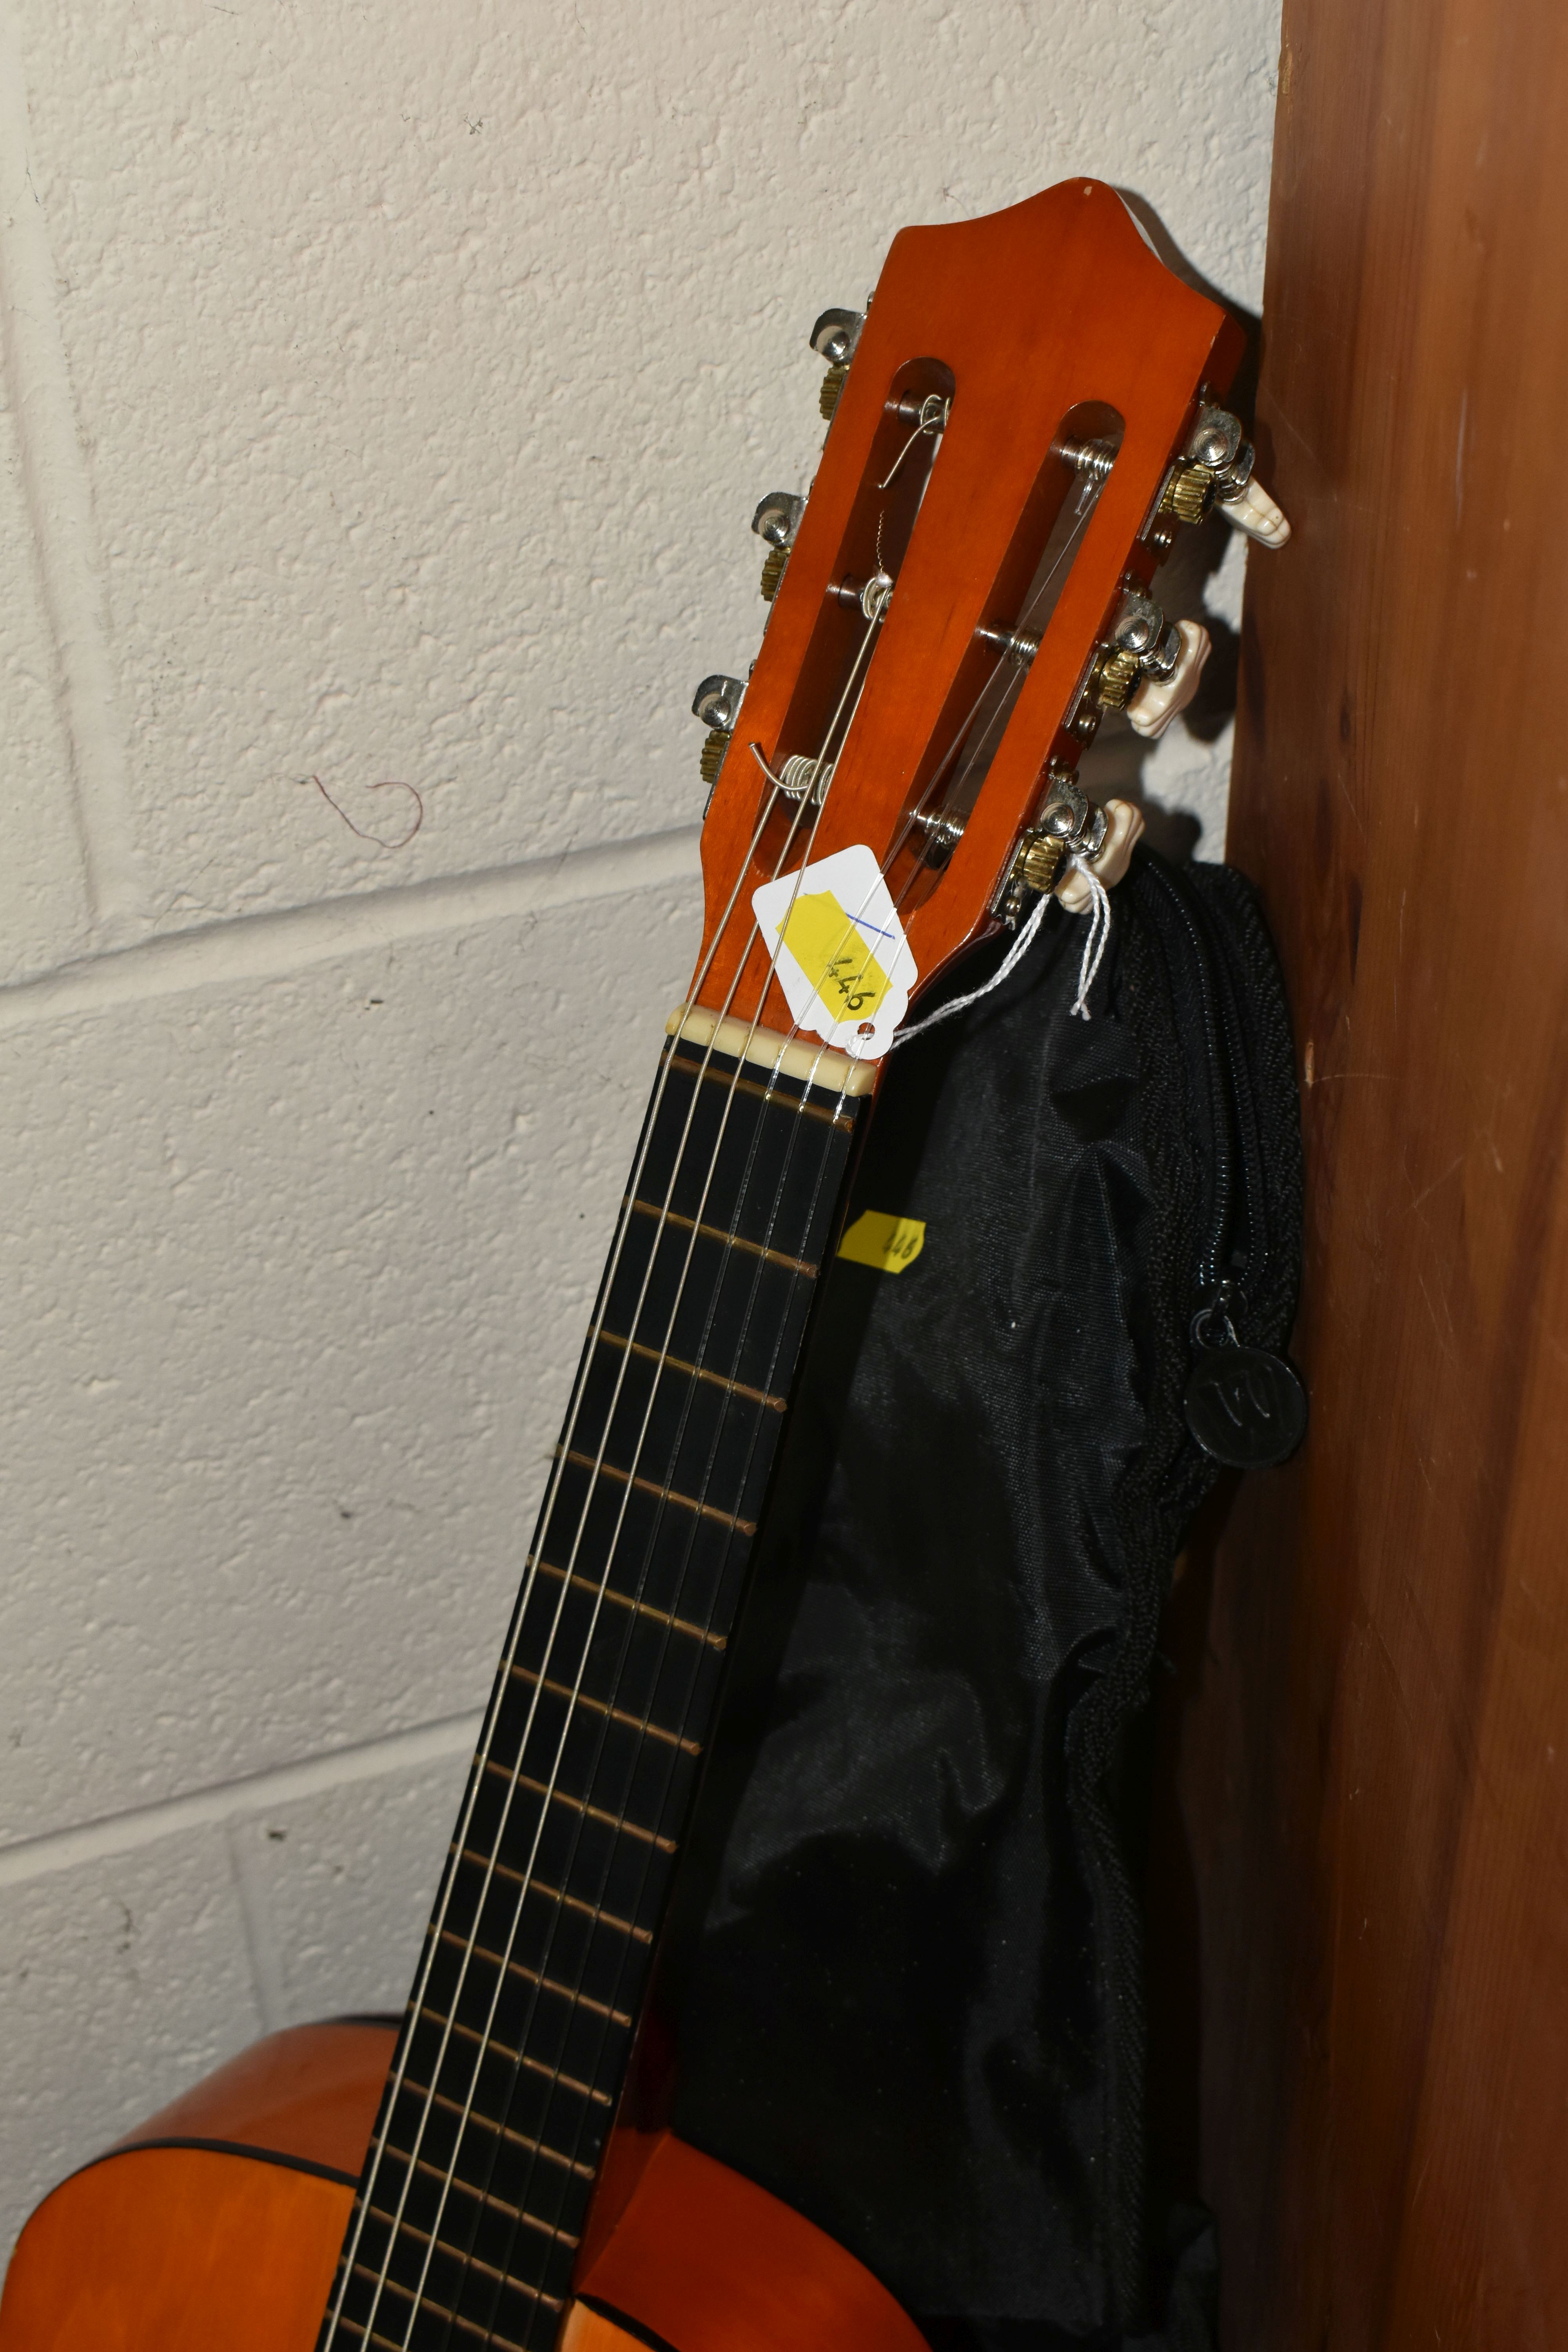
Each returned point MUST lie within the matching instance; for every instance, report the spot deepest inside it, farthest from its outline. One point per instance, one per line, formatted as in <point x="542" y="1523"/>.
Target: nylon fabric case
<point x="905" y="1960"/>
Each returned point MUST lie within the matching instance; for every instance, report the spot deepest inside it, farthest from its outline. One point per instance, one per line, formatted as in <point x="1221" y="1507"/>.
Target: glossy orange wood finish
<point x="309" y="2092"/>
<point x="590" y="2331"/>
<point x="161" y="2248"/>
<point x="1032" y="311"/>
<point x="186" y="2249"/>
<point x="713" y="2263"/>
<point x="176" y="2249"/>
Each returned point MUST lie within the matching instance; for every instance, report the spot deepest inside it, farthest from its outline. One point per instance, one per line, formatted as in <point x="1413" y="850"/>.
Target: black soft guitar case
<point x="908" y="1947"/>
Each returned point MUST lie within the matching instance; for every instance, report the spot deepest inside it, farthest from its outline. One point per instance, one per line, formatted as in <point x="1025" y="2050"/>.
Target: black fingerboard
<point x="516" y="2039"/>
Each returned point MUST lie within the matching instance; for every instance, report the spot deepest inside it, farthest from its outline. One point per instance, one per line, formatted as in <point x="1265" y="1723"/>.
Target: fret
<point x="772" y="1098"/>
<point x="353" y="2327"/>
<point x="390" y="2285"/>
<point x="746" y="1164"/>
<point x="536" y="1961"/>
<point x="490" y="2123"/>
<point x="624" y="1653"/>
<point x="479" y="2196"/>
<point x="512" y="2022"/>
<point x="464" y="2189"/>
<point x="400" y="2343"/>
<point x="468" y="2259"/>
<point x="639" y="1723"/>
<point x="602" y="1469"/>
<point x="580" y="1805"/>
<point x="643" y="1608"/>
<point x="496" y="2049"/>
<point x="553" y="1894"/>
<point x="726" y="1241"/>
<point x="517" y="2139"/>
<point x="423" y="2301"/>
<point x="578" y="1999"/>
<point x="630" y="1537"/>
<point x="696" y="1446"/>
<point x="666" y="1362"/>
<point x="555" y="1764"/>
<point x="560" y="1852"/>
<point x="738" y="1312"/>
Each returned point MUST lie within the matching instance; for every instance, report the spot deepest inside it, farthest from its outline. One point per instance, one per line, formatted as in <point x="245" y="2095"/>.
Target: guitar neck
<point x="537" y="1956"/>
<point x="847" y="860"/>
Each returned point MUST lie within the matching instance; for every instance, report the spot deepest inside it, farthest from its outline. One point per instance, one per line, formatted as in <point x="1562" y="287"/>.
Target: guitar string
<point x="1001" y="715"/>
<point x="997" y="716"/>
<point x="499" y="1693"/>
<point x="680" y="1433"/>
<point x="657" y="1796"/>
<point x="704" y="1488"/>
<point x="850" y="686"/>
<point x="852" y="683"/>
<point x="860" y="660"/>
<point x="613" y="1561"/>
<point x="673" y="1605"/>
<point x="624" y="1227"/>
<point x="1089" y="500"/>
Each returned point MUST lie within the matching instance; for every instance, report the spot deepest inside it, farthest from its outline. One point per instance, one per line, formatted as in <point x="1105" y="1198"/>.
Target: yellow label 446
<point x="889" y="1243"/>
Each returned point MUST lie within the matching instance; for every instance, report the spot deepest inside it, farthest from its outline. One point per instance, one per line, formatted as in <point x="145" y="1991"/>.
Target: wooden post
<point x="1374" y="1749"/>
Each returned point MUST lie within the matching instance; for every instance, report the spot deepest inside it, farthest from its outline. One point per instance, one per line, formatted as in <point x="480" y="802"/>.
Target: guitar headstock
<point x="1020" y="422"/>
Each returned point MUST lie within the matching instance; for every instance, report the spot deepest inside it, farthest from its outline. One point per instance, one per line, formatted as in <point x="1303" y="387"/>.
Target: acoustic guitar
<point x="1020" y="422"/>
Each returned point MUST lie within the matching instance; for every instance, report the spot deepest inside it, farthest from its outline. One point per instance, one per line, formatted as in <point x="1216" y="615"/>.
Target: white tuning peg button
<point x="1254" y="512"/>
<point x="1124" y="831"/>
<point x="1153" y="705"/>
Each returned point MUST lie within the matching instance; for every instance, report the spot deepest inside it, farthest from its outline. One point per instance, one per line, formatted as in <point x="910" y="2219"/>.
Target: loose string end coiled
<point x="1094" y="948"/>
<point x="1097" y="936"/>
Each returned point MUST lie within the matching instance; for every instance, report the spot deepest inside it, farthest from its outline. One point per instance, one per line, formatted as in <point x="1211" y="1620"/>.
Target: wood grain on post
<point x="1374" y="1746"/>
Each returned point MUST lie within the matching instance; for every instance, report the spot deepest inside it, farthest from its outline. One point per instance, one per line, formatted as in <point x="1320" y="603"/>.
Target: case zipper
<point x="1244" y="1405"/>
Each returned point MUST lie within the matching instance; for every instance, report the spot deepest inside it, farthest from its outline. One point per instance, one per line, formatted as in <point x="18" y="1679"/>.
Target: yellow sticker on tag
<point x="834" y="958"/>
<point x="889" y="1243"/>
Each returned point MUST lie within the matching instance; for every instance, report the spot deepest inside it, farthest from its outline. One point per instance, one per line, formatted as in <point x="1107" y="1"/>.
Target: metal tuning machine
<point x="834" y="339"/>
<point x="1149" y="667"/>
<point x="1070" y="825"/>
<point x="717" y="702"/>
<point x="1216" y="471"/>
<point x="775" y="523"/>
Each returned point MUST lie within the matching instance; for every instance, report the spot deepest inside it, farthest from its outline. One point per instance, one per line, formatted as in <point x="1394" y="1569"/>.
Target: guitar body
<point x="219" y="2222"/>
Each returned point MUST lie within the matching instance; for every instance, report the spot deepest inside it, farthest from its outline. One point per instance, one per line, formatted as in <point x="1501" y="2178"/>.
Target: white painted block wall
<point x="386" y="391"/>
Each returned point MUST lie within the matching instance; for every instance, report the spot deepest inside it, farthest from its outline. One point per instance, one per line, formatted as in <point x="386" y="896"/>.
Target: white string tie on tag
<point x="1093" y="950"/>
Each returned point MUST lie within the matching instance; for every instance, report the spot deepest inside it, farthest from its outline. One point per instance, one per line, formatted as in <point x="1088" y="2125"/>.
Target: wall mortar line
<point x="226" y="1801"/>
<point x="60" y="506"/>
<point x="272" y="946"/>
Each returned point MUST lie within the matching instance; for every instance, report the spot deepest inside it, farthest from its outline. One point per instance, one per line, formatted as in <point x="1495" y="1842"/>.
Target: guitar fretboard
<point x="515" y="2043"/>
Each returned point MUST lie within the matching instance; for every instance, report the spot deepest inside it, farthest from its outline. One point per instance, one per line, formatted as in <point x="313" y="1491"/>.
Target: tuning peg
<point x="1215" y="438"/>
<point x="717" y="702"/>
<point x="1140" y="629"/>
<point x="834" y="339"/>
<point x="1250" y="508"/>
<point x="1215" y="470"/>
<point x="1141" y="646"/>
<point x="1155" y="703"/>
<point x="776" y="521"/>
<point x="1070" y="825"/>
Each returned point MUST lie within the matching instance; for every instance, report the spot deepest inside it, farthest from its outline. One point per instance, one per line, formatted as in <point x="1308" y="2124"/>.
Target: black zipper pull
<point x="1246" y="1407"/>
